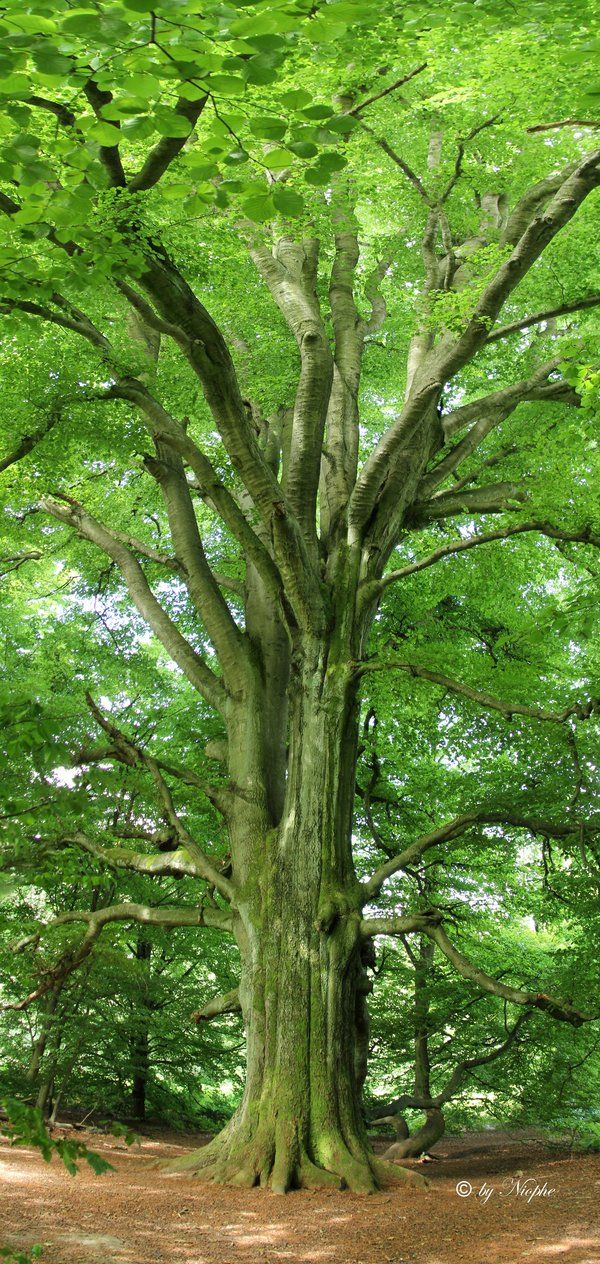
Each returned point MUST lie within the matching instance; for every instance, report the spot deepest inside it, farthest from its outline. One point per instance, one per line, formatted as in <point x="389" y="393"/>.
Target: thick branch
<point x="175" y="864"/>
<point x="290" y="274"/>
<point x="109" y="154"/>
<point x="164" y="427"/>
<point x="492" y="498"/>
<point x="534" y="240"/>
<point x="498" y="404"/>
<point x="229" y="1003"/>
<point x="207" y="352"/>
<point x="227" y="639"/>
<point x="162" y="155"/>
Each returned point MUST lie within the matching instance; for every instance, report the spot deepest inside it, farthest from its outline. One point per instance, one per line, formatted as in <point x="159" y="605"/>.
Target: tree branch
<point x="577" y="305"/>
<point x="191" y="664"/>
<point x="229" y="642"/>
<point x="172" y="917"/>
<point x="291" y="274"/>
<point x="585" y="536"/>
<point x="462" y="144"/>
<point x="229" y="1003"/>
<point x="109" y="154"/>
<point x="492" y="498"/>
<point x="455" y="829"/>
<point x="162" y="155"/>
<point x="494" y="409"/>
<point x="561" y="1010"/>
<point x="175" y="864"/>
<point x="29" y="441"/>
<point x="429" y="923"/>
<point x="582" y="711"/>
<point x="377" y="96"/>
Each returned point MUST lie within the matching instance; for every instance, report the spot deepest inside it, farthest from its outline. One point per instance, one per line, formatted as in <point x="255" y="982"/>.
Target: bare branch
<point x="133" y="754"/>
<point x="429" y="923"/>
<point x="405" y="167"/>
<point x="462" y="144"/>
<point x="172" y="917"/>
<point x="468" y="1064"/>
<point x="547" y="127"/>
<point x="501" y="403"/>
<point x="561" y="1010"/>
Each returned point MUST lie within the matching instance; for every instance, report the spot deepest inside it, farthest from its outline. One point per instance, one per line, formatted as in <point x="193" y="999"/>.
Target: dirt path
<point x="138" y="1215"/>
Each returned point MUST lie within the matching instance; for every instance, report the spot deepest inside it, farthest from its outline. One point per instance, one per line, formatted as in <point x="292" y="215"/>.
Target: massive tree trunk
<point x="303" y="979"/>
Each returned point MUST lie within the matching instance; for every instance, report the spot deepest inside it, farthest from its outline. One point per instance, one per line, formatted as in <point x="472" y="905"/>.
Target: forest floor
<point x="527" y="1203"/>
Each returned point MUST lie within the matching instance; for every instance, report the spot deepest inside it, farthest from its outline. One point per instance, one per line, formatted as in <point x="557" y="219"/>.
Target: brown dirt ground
<point x="139" y="1215"/>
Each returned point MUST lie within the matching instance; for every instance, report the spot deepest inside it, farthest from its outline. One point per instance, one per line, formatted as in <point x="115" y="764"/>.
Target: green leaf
<point x="317" y="111"/>
<point x="259" y="207"/>
<point x="268" y="128"/>
<point x="303" y="148"/>
<point x="287" y="201"/>
<point x="277" y="159"/>
<point x="227" y="85"/>
<point x="80" y="22"/>
<point x="105" y="134"/>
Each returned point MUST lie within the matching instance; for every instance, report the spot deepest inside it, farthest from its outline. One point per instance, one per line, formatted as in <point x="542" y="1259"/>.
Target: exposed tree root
<point x="389" y="1173"/>
<point x="283" y="1164"/>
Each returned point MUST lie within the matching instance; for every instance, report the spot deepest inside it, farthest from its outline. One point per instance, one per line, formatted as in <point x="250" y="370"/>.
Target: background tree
<point x="287" y="497"/>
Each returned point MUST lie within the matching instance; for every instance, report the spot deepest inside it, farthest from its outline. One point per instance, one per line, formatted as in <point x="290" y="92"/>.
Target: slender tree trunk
<point x="413" y="1146"/>
<point x="41" y="1041"/>
<point x="140" y="1041"/>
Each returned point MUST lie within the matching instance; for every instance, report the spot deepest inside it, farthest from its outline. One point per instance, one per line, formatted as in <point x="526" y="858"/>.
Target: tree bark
<point x="303" y="982"/>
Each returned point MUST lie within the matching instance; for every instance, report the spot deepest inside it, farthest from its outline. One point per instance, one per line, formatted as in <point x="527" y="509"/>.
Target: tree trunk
<point x="140" y="1056"/>
<point x="419" y="1142"/>
<point x="140" y="1040"/>
<point x="303" y="979"/>
<point x="414" y="1145"/>
<point x="41" y="1040"/>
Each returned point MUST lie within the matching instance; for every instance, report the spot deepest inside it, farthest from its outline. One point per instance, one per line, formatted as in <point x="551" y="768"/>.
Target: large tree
<point x="285" y="496"/>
